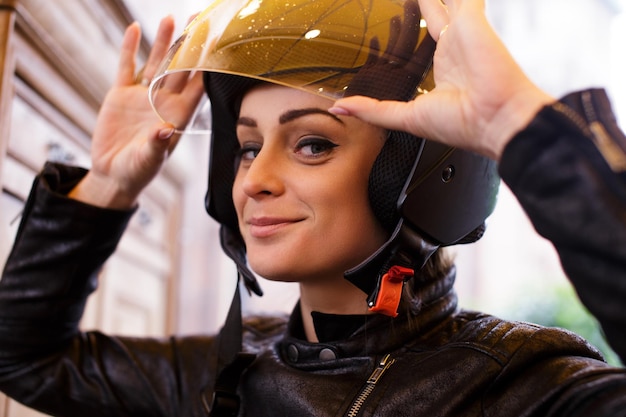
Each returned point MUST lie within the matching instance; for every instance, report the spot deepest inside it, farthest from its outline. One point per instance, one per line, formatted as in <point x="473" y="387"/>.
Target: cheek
<point x="238" y="195"/>
<point x="344" y="196"/>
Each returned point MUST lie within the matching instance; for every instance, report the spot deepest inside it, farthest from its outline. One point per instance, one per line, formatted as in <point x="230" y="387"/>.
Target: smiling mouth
<point x="266" y="227"/>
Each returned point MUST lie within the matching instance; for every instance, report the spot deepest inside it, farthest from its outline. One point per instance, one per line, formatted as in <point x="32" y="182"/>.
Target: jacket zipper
<point x="369" y="386"/>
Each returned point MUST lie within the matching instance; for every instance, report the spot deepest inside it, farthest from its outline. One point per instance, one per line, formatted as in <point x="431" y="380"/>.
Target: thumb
<point x="165" y="132"/>
<point x="159" y="141"/>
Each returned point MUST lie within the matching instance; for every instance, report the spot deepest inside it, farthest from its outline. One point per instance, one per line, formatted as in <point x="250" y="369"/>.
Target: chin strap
<point x="233" y="246"/>
<point x="393" y="264"/>
<point x="223" y="400"/>
<point x="386" y="298"/>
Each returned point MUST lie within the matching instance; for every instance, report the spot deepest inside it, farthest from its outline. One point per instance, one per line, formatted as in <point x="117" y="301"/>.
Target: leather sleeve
<point x="52" y="268"/>
<point x="45" y="361"/>
<point x="567" y="169"/>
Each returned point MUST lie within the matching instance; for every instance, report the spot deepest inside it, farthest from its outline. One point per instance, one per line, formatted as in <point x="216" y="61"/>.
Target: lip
<point x="263" y="227"/>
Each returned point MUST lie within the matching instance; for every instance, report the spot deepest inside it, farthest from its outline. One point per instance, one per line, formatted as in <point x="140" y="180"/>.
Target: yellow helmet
<point x="318" y="46"/>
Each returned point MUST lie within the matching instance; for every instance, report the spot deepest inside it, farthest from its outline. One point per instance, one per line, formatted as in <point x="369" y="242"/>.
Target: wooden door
<point x="65" y="58"/>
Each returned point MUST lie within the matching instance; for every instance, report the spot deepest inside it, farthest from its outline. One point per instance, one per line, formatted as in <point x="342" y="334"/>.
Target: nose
<point x="264" y="175"/>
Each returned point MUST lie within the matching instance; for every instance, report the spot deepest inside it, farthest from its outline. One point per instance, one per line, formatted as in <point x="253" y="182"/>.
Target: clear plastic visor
<point x="315" y="45"/>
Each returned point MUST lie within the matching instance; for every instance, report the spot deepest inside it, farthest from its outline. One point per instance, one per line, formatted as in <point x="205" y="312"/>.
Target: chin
<point x="272" y="272"/>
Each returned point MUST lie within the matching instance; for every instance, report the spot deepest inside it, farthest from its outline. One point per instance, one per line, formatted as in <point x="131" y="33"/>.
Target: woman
<point x="298" y="204"/>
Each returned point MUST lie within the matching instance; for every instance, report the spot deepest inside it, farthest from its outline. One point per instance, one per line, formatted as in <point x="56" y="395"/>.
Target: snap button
<point x="327" y="354"/>
<point x="292" y="353"/>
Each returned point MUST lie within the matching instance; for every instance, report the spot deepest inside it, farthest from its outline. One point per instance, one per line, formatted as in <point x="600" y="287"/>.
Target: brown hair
<point x="437" y="268"/>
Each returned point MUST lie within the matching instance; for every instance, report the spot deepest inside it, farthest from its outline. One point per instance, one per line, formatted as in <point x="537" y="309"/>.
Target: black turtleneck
<point x="331" y="327"/>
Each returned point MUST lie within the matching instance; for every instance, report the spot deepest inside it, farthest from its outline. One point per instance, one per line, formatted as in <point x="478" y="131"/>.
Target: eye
<point x="248" y="152"/>
<point x="314" y="147"/>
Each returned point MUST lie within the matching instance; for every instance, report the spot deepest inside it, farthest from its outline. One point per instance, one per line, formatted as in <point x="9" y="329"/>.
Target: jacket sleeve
<point x="45" y="361"/>
<point x="568" y="171"/>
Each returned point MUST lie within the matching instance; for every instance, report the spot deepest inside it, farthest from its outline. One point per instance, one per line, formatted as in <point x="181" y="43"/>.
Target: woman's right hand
<point x="130" y="144"/>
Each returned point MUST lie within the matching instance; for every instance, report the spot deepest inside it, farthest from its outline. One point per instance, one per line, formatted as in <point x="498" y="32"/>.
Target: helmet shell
<point x="334" y="49"/>
<point x="315" y="45"/>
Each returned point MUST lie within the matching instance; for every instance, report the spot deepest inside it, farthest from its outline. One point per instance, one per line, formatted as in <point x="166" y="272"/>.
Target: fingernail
<point x="339" y="111"/>
<point x="166" y="133"/>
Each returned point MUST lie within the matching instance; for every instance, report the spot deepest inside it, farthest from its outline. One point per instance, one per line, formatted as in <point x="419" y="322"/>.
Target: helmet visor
<point x="316" y="45"/>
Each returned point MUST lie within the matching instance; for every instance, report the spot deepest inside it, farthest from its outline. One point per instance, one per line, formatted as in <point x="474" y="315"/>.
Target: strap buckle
<point x="386" y="298"/>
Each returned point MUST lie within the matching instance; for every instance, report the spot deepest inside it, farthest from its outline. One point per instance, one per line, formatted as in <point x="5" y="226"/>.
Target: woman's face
<point x="301" y="187"/>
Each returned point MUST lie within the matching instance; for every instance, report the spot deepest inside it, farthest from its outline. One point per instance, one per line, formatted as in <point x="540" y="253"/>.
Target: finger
<point x="175" y="82"/>
<point x="454" y="6"/>
<point x="159" y="142"/>
<point x="128" y="51"/>
<point x="194" y="89"/>
<point x="192" y="17"/>
<point x="171" y="138"/>
<point x="160" y="47"/>
<point x="185" y="102"/>
<point x="165" y="142"/>
<point x="476" y="5"/>
<point x="191" y="94"/>
<point x="436" y="15"/>
<point x="388" y="114"/>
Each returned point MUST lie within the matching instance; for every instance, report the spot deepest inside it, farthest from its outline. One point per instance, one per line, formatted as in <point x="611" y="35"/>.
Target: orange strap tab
<point x="390" y="291"/>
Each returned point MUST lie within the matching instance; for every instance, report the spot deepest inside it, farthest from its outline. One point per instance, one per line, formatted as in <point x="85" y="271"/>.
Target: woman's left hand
<point x="482" y="97"/>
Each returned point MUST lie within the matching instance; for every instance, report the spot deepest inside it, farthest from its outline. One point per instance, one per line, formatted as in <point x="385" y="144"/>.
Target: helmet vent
<point x="389" y="173"/>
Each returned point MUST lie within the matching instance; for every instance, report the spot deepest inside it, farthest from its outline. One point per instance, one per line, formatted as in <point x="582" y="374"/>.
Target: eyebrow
<point x="246" y="121"/>
<point x="294" y="114"/>
<point x="289" y="116"/>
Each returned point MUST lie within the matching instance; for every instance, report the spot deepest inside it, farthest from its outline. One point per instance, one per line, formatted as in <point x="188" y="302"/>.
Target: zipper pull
<point x="384" y="364"/>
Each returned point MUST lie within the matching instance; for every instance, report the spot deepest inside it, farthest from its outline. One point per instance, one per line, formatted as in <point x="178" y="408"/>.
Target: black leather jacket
<point x="442" y="362"/>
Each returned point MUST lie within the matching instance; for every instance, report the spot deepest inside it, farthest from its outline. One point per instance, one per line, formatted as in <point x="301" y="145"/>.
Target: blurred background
<point x="169" y="275"/>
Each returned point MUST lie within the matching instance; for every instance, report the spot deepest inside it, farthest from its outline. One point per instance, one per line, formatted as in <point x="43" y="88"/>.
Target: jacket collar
<point x="432" y="301"/>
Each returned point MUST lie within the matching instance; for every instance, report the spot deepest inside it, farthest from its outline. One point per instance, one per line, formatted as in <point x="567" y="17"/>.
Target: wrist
<point x="514" y="116"/>
<point x="103" y="192"/>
